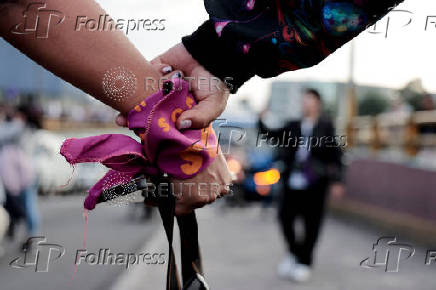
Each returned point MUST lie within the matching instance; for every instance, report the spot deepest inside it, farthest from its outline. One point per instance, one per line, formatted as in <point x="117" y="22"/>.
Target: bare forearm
<point x="94" y="61"/>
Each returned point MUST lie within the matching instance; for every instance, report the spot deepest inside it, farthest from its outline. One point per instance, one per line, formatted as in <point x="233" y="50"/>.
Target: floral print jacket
<point x="244" y="38"/>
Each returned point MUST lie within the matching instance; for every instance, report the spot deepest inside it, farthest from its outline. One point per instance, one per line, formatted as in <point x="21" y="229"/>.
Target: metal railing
<point x="408" y="132"/>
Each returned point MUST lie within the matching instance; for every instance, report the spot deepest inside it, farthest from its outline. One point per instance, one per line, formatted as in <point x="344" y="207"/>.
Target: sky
<point x="382" y="59"/>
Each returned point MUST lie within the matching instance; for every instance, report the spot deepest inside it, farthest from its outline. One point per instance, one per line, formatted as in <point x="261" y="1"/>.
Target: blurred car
<point x="260" y="175"/>
<point x="252" y="167"/>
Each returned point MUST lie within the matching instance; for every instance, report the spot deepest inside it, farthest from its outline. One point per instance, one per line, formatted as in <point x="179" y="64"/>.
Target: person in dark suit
<point x="312" y="156"/>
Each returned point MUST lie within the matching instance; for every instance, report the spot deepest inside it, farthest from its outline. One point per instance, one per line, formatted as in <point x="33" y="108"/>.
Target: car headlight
<point x="269" y="177"/>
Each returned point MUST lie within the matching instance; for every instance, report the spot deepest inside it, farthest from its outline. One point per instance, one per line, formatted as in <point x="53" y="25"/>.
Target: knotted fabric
<point x="163" y="148"/>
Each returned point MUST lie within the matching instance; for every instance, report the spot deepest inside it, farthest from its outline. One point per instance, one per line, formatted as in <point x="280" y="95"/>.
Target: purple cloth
<point x="163" y="148"/>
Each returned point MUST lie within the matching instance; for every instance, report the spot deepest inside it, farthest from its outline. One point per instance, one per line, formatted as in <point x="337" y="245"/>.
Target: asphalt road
<point x="240" y="247"/>
<point x="108" y="228"/>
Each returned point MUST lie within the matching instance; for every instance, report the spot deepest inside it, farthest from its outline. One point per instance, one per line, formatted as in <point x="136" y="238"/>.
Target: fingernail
<point x="185" y="124"/>
<point x="177" y="75"/>
<point x="167" y="69"/>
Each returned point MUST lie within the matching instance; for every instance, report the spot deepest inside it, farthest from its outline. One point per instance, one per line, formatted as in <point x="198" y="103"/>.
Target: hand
<point x="337" y="190"/>
<point x="214" y="181"/>
<point x="204" y="188"/>
<point x="211" y="93"/>
<point x="165" y="73"/>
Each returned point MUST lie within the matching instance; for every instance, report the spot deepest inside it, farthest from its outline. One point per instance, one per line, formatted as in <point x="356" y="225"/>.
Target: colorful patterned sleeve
<point x="244" y="38"/>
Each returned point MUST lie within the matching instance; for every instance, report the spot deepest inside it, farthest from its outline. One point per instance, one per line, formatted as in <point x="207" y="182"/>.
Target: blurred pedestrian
<point x="313" y="165"/>
<point x="17" y="173"/>
<point x="4" y="218"/>
<point x="31" y="115"/>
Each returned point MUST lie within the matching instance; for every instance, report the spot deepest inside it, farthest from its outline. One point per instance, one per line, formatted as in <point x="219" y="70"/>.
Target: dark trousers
<point x="15" y="207"/>
<point x="309" y="205"/>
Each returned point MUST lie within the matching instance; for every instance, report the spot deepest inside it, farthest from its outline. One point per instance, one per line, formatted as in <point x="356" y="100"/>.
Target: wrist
<point x="147" y="84"/>
<point x="187" y="62"/>
<point x="219" y="56"/>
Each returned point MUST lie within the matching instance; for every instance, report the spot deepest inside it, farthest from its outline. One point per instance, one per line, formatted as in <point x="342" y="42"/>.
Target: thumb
<point x="202" y="114"/>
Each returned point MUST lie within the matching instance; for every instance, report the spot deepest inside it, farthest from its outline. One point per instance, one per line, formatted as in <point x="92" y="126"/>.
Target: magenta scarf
<point x="163" y="148"/>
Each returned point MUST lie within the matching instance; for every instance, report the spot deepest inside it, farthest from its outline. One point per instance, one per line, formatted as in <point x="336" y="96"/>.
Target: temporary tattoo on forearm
<point x="119" y="84"/>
